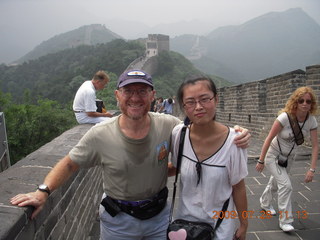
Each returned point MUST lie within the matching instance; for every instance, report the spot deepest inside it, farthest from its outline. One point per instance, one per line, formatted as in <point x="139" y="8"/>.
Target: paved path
<point x="305" y="200"/>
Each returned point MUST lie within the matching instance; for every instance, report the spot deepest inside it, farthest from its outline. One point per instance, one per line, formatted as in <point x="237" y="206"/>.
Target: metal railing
<point x="4" y="150"/>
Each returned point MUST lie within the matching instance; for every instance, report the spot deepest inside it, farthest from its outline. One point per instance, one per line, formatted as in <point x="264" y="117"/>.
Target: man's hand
<point x="108" y="114"/>
<point x="243" y="139"/>
<point x="36" y="199"/>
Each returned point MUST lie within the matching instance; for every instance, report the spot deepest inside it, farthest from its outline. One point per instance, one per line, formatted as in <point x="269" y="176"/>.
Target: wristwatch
<point x="44" y="188"/>
<point x="312" y="170"/>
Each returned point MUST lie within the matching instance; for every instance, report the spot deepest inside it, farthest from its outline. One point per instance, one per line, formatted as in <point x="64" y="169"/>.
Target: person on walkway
<point x="158" y="104"/>
<point x="167" y="106"/>
<point x="84" y="104"/>
<point x="212" y="168"/>
<point x="132" y="150"/>
<point x="278" y="152"/>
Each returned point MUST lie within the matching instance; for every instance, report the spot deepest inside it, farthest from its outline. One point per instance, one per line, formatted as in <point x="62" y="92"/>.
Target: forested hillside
<point x="37" y="96"/>
<point x="57" y="76"/>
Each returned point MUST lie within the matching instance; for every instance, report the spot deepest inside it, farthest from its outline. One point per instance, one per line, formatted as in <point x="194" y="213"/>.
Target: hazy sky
<point x="26" y="23"/>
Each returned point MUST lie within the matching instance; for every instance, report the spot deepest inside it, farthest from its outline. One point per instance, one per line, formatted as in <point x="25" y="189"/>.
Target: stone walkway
<point x="305" y="201"/>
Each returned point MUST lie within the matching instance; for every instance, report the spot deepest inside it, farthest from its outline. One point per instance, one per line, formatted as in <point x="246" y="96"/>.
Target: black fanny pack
<point x="147" y="209"/>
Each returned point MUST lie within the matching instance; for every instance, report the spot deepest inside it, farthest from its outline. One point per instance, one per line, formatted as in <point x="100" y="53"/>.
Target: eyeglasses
<point x="301" y="101"/>
<point x="192" y="102"/>
<point x="127" y="92"/>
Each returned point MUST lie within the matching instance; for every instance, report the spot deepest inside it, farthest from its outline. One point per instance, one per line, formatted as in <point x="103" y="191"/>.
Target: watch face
<point x="43" y="187"/>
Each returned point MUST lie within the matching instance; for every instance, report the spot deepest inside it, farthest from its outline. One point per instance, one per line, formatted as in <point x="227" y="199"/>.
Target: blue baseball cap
<point x="134" y="76"/>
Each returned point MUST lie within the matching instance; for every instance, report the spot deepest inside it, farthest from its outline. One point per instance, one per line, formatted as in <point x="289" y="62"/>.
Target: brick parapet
<point x="255" y="105"/>
<point x="69" y="210"/>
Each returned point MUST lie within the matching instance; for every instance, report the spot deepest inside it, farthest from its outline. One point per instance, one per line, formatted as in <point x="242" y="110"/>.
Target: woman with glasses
<point x="295" y="122"/>
<point x="213" y="168"/>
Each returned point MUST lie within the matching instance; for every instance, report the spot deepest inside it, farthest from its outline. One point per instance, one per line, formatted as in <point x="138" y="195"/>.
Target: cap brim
<point x="134" y="80"/>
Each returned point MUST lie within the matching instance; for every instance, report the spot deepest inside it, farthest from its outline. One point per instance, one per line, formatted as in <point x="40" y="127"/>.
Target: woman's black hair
<point x="191" y="81"/>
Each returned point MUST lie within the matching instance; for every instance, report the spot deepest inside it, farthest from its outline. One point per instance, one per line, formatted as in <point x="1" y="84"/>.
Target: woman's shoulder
<point x="177" y="128"/>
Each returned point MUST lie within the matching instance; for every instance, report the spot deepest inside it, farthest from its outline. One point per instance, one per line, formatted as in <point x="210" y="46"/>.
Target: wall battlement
<point x="69" y="211"/>
<point x="255" y="105"/>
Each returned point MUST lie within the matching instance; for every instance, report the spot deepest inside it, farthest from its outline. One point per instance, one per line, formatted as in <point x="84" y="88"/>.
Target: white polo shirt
<point x="85" y="99"/>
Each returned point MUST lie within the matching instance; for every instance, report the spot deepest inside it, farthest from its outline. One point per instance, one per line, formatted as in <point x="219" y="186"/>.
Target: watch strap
<point x="44" y="188"/>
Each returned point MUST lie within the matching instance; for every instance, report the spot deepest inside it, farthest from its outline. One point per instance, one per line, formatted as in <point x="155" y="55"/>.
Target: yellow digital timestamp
<point x="259" y="215"/>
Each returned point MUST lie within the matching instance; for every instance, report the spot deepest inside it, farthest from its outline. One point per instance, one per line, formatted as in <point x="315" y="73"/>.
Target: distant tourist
<point x="158" y="104"/>
<point x="167" y="106"/>
<point x="85" y="105"/>
<point x="295" y="122"/>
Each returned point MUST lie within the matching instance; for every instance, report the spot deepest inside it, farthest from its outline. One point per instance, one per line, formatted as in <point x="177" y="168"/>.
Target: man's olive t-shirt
<point x="132" y="169"/>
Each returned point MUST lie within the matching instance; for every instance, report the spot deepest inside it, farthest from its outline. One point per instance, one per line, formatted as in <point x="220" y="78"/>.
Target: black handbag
<point x="190" y="230"/>
<point x="281" y="159"/>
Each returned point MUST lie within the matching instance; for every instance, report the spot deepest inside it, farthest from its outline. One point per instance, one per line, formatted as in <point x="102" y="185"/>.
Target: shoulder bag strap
<point x="296" y="129"/>
<point x="224" y="208"/>
<point x="181" y="144"/>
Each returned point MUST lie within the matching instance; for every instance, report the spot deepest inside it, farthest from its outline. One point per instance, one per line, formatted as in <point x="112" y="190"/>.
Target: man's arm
<point x="56" y="177"/>
<point x="171" y="170"/>
<point x="98" y="114"/>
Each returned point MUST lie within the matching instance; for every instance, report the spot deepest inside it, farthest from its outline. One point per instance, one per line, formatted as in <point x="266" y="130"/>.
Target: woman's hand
<point x="259" y="167"/>
<point x="309" y="176"/>
<point x="241" y="232"/>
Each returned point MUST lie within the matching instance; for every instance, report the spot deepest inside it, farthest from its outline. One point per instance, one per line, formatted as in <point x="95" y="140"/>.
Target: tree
<point x="29" y="126"/>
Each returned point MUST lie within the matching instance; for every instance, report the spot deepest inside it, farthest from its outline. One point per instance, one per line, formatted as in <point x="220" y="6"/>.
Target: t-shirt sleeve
<point x="314" y="123"/>
<point x="283" y="119"/>
<point x="85" y="153"/>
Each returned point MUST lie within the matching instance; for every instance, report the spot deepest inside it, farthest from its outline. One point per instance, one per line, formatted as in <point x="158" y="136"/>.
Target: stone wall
<point x="255" y="105"/>
<point x="70" y="209"/>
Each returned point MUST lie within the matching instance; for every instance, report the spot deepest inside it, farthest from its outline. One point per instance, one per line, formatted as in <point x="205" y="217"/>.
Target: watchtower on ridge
<point x="156" y="43"/>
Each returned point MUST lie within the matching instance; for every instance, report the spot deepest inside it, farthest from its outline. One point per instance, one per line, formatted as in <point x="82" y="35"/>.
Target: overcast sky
<point x="29" y="22"/>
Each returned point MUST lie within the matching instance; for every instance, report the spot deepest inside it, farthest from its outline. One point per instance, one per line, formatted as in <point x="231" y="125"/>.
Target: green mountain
<point x="85" y="35"/>
<point x="57" y="76"/>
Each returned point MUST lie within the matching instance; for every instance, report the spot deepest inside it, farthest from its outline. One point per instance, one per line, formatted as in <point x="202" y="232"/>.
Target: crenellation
<point x="263" y="99"/>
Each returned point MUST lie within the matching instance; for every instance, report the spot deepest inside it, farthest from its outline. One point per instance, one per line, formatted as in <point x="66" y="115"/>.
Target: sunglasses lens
<point x="301" y="101"/>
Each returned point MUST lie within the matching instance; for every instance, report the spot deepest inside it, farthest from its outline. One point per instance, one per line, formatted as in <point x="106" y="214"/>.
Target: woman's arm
<point x="314" y="157"/>
<point x="240" y="201"/>
<point x="275" y="129"/>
